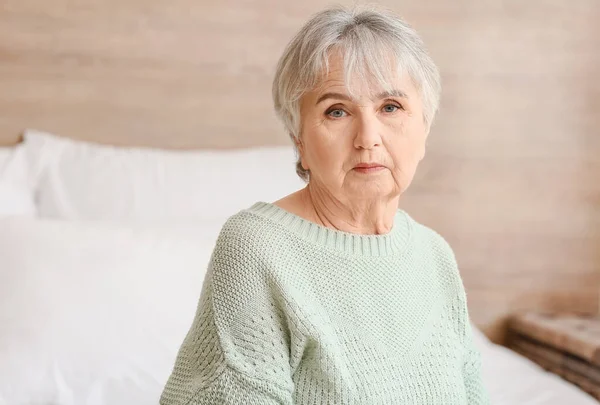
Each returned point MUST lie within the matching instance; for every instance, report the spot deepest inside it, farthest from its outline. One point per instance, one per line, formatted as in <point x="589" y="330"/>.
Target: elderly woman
<point x="332" y="295"/>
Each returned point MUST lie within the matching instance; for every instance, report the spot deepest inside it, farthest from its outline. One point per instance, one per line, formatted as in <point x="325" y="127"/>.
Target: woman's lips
<point x="367" y="168"/>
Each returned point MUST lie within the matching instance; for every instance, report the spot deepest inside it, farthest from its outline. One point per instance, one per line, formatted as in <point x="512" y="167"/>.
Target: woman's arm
<point x="476" y="392"/>
<point x="237" y="350"/>
<point x="475" y="389"/>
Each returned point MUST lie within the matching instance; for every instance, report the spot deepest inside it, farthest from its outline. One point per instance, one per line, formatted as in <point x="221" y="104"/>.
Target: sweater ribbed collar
<point x="349" y="243"/>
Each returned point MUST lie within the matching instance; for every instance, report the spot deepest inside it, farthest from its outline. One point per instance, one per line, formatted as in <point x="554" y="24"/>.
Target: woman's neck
<point x="365" y="217"/>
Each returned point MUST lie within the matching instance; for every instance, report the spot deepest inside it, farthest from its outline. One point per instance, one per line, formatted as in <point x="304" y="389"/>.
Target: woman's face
<point x="363" y="148"/>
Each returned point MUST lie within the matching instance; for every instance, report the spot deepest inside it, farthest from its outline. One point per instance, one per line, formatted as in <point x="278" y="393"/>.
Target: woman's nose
<point x="367" y="132"/>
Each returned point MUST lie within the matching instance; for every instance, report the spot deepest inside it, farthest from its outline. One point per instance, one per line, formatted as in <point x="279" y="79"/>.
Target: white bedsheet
<point x="512" y="379"/>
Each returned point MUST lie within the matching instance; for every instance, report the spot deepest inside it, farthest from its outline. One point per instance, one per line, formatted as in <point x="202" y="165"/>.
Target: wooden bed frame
<point x="512" y="175"/>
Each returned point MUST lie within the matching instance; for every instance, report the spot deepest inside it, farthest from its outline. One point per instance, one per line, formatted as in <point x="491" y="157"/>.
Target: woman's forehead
<point x="394" y="85"/>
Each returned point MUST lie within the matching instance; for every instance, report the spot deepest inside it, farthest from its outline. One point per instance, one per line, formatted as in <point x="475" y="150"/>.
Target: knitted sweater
<point x="292" y="312"/>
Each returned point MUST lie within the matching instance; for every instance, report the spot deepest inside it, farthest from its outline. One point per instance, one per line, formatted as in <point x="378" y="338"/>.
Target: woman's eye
<point x="390" y="108"/>
<point x="336" y="113"/>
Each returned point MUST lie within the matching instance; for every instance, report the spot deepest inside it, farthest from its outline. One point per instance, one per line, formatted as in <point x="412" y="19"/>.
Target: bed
<point x="97" y="292"/>
<point x="133" y="99"/>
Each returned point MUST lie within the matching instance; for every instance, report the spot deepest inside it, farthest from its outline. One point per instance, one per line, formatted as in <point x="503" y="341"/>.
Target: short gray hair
<point x="365" y="37"/>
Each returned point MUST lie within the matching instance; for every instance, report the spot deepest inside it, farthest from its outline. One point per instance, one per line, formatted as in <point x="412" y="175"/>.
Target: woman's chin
<point x="372" y="188"/>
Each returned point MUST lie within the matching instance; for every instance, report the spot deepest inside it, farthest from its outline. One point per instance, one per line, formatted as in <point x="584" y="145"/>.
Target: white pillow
<point x="17" y="182"/>
<point x="479" y="338"/>
<point x="4" y="155"/>
<point x="93" y="314"/>
<point x="89" y="181"/>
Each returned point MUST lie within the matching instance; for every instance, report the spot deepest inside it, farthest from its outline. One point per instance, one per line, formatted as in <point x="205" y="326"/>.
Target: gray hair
<point x="365" y="37"/>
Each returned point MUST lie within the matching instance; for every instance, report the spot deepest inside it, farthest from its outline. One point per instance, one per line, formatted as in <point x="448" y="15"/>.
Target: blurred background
<point x="512" y="174"/>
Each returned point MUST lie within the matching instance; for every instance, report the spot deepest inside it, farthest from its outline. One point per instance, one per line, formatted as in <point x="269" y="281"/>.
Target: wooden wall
<point x="512" y="176"/>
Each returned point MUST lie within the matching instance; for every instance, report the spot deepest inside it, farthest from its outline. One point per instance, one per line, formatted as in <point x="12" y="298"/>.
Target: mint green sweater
<point x="295" y="313"/>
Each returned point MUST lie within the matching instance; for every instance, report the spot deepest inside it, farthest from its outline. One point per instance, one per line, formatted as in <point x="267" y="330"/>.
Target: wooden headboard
<point x="512" y="176"/>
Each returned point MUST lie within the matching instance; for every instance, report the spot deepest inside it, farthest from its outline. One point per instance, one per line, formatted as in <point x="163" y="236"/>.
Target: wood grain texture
<point x="578" y="336"/>
<point x="512" y="175"/>
<point x="572" y="369"/>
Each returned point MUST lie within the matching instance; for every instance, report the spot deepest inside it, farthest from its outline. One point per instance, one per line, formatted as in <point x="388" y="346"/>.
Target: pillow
<point x="89" y="181"/>
<point x="479" y="338"/>
<point x="16" y="183"/>
<point x="4" y="156"/>
<point x="93" y="313"/>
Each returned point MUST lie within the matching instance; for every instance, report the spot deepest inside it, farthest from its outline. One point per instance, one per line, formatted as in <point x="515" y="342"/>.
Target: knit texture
<point x="292" y="312"/>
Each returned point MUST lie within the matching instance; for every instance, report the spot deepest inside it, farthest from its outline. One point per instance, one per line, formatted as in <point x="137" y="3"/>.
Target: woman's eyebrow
<point x="391" y="93"/>
<point x="337" y="96"/>
<point x="384" y="94"/>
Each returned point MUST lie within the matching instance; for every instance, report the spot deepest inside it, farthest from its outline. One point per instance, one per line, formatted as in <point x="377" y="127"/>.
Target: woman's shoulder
<point x="245" y="229"/>
<point x="438" y="256"/>
<point x="425" y="237"/>
<point x="249" y="235"/>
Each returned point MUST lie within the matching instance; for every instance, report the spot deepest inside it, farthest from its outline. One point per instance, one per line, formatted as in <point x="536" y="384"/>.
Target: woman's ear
<point x="298" y="142"/>
<point x="427" y="129"/>
<point x="424" y="148"/>
<point x="300" y="148"/>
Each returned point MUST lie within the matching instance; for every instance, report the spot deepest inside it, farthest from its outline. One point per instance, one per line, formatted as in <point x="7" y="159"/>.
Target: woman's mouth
<point x="367" y="168"/>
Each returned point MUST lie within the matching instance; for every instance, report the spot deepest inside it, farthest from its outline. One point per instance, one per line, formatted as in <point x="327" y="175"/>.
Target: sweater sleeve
<point x="237" y="349"/>
<point x="474" y="387"/>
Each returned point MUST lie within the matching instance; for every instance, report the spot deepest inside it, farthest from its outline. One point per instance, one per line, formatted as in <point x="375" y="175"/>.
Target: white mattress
<point x="512" y="379"/>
